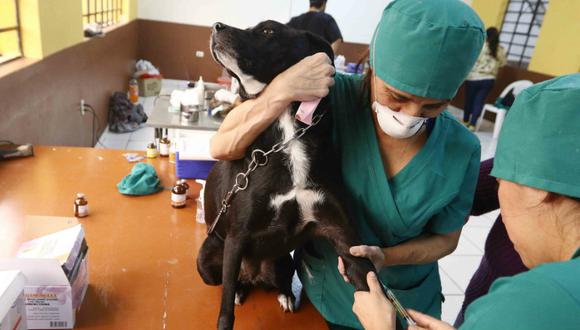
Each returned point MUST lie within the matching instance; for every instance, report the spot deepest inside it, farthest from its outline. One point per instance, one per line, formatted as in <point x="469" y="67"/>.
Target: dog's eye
<point x="268" y="32"/>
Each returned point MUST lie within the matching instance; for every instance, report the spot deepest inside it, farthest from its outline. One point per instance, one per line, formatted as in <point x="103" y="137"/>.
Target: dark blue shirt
<point x="318" y="23"/>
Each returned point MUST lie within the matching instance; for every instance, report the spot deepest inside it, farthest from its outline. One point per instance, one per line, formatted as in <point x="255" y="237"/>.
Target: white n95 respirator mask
<point x="397" y="124"/>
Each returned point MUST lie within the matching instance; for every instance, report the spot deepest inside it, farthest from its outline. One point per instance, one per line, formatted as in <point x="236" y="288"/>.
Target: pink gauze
<point x="305" y="111"/>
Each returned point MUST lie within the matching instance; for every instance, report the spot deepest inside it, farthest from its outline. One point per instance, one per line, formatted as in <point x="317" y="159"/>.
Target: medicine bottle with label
<point x="81" y="206"/>
<point x="152" y="151"/>
<point x="164" y="147"/>
<point x="178" y="196"/>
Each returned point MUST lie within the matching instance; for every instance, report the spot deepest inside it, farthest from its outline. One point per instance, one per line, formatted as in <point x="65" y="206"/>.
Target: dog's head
<point x="255" y="56"/>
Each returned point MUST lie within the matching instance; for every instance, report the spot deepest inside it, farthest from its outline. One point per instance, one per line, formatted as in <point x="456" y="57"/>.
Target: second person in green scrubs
<point x="537" y="167"/>
<point x="409" y="167"/>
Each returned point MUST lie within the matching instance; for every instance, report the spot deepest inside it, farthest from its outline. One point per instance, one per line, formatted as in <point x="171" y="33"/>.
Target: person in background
<point x="482" y="77"/>
<point x="409" y="168"/>
<point x="536" y="166"/>
<point x="319" y="23"/>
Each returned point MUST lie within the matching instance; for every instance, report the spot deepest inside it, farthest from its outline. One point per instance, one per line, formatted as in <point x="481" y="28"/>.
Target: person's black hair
<point x="492" y="40"/>
<point x="317" y="3"/>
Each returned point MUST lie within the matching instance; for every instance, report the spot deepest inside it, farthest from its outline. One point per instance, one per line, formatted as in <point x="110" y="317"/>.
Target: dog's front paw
<point x="286" y="302"/>
<point x="239" y="299"/>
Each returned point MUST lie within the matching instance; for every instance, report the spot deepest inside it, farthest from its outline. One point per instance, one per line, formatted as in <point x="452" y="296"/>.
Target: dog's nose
<point x="218" y="26"/>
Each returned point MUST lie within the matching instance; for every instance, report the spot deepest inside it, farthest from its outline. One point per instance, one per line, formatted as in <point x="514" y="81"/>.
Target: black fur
<point x="258" y="238"/>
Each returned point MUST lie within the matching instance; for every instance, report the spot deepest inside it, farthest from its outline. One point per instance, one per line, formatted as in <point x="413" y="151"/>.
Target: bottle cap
<point x="80" y="195"/>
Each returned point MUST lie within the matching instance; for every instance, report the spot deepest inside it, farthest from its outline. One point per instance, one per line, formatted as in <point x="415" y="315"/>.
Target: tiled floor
<point x="456" y="269"/>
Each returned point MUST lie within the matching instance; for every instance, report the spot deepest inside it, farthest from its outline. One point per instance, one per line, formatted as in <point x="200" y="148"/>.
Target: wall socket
<point x="199" y="54"/>
<point x="83" y="110"/>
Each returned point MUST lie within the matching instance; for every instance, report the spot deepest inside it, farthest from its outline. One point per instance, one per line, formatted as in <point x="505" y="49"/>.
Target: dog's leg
<point x="356" y="268"/>
<point x="233" y="249"/>
<point x="210" y="261"/>
<point x="335" y="227"/>
<point x="284" y="271"/>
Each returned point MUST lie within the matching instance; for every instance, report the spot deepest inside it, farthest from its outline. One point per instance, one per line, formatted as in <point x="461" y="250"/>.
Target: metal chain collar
<point x="259" y="159"/>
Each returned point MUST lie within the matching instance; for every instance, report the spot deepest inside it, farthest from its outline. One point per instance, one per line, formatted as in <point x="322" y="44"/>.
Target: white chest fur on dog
<point x="299" y="166"/>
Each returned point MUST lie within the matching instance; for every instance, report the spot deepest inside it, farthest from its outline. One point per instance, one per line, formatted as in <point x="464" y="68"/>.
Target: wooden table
<point x="141" y="250"/>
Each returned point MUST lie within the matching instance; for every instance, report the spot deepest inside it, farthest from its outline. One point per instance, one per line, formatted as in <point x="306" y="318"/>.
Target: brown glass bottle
<point x="178" y="196"/>
<point x="81" y="206"/>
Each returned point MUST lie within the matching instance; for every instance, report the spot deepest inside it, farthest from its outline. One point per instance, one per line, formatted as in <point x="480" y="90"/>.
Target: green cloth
<point x="433" y="193"/>
<point x="426" y="47"/>
<point x="546" y="297"/>
<point x="143" y="180"/>
<point x="539" y="144"/>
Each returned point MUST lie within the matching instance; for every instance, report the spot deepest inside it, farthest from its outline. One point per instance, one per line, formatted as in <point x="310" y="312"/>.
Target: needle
<point x="398" y="307"/>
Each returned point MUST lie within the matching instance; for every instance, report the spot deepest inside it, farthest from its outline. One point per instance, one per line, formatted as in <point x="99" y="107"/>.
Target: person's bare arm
<point x="423" y="249"/>
<point x="336" y="45"/>
<point x="307" y="80"/>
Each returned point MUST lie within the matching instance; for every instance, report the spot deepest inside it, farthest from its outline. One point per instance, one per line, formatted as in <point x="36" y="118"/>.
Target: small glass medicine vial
<point x="152" y="151"/>
<point x="164" y="147"/>
<point x="178" y="196"/>
<point x="172" y="151"/>
<point x="81" y="206"/>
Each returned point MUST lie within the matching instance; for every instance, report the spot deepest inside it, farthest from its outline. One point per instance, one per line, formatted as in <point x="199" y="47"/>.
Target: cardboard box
<point x="12" y="309"/>
<point x="55" y="284"/>
<point x="149" y="86"/>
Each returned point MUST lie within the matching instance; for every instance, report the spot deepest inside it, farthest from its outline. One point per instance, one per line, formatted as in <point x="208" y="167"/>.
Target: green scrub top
<point x="433" y="193"/>
<point x="546" y="297"/>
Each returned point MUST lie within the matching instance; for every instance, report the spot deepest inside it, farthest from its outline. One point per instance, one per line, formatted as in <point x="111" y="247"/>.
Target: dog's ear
<point x="317" y="45"/>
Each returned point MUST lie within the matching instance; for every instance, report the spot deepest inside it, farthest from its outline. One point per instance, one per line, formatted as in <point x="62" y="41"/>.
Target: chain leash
<point x="260" y="158"/>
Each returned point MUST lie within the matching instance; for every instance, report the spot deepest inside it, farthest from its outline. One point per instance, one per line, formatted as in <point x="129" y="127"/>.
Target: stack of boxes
<point x="12" y="310"/>
<point x="55" y="268"/>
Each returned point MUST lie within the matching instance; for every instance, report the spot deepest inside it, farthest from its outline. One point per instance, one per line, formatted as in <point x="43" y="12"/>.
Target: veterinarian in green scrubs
<point x="421" y="50"/>
<point x="409" y="167"/>
<point x="537" y="166"/>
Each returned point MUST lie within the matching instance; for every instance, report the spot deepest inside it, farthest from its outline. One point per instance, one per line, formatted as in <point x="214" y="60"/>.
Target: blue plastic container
<point x="192" y="169"/>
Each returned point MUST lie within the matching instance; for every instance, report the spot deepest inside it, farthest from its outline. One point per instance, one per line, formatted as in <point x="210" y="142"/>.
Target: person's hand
<point x="307" y="80"/>
<point x="372" y="308"/>
<point x="427" y="322"/>
<point x="373" y="253"/>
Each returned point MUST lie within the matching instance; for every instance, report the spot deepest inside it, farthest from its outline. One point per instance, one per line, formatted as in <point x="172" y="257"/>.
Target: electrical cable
<point x="96" y="119"/>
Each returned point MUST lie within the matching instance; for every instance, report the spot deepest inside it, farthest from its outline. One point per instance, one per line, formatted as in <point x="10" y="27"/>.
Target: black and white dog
<point x="292" y="199"/>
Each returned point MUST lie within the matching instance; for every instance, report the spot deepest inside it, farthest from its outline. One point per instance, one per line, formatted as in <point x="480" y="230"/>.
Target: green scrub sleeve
<point x="528" y="302"/>
<point x="453" y="216"/>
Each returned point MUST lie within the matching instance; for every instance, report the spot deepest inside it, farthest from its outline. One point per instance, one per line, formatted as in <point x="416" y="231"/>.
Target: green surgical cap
<point x="143" y="180"/>
<point x="539" y="144"/>
<point x="426" y="47"/>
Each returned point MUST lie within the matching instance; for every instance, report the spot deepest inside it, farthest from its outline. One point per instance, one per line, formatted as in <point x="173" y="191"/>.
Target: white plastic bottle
<point x="200" y="86"/>
<point x="200" y="212"/>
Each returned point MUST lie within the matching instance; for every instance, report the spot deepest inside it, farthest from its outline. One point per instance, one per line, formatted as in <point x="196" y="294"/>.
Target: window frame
<point x="109" y="17"/>
<point x="16" y="28"/>
<point x="537" y="9"/>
